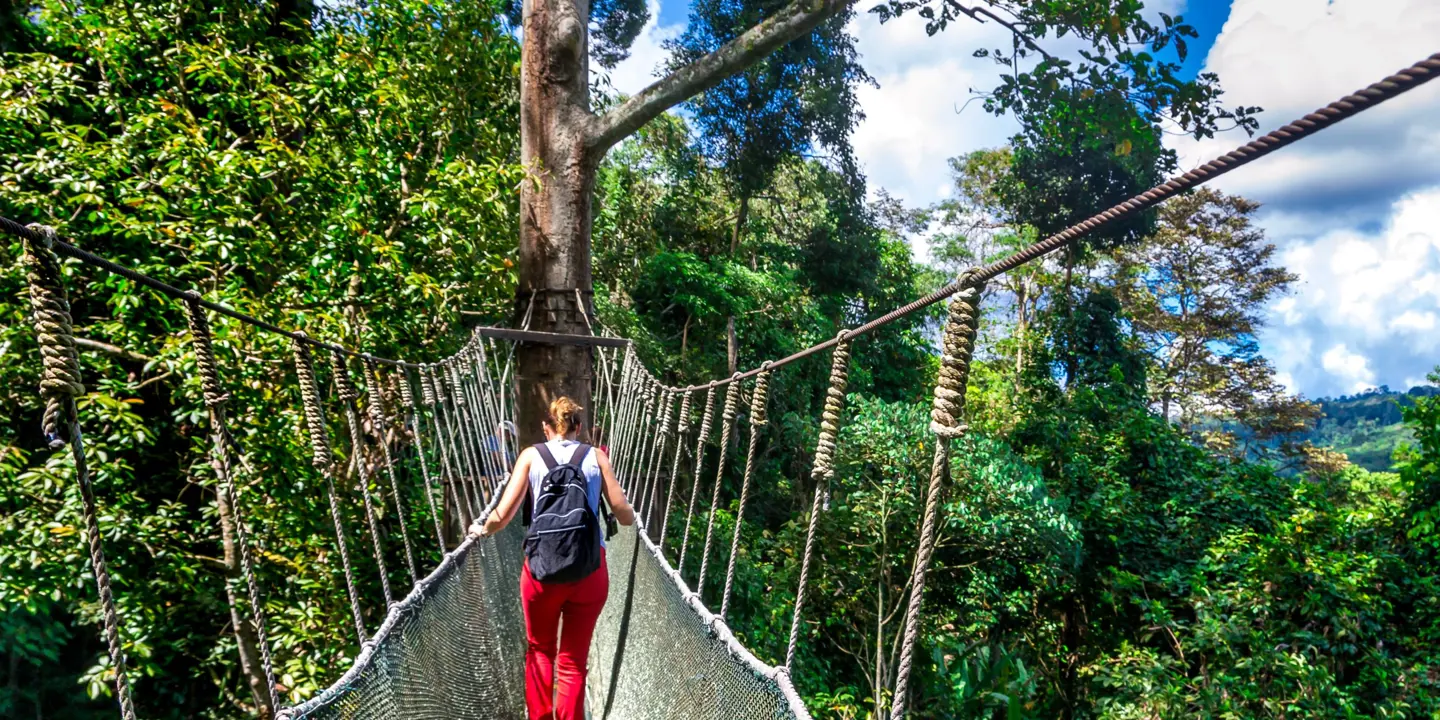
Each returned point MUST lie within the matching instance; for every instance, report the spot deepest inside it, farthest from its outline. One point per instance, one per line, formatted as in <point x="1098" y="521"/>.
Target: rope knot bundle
<point x="732" y="398"/>
<point x="682" y="424"/>
<point x="758" y="396"/>
<point x="667" y="400"/>
<point x="344" y="386"/>
<point x="959" y="344"/>
<point x="320" y="455"/>
<point x="215" y="394"/>
<point x="427" y="385"/>
<point x="60" y="373"/>
<point x="458" y="383"/>
<point x="376" y="406"/>
<point x="823" y="467"/>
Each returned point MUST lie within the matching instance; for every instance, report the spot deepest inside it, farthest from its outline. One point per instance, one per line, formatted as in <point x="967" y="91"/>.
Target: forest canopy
<point x="1142" y="521"/>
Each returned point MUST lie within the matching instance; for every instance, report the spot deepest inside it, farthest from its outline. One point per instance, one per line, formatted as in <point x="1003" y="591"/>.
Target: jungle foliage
<point x="355" y="177"/>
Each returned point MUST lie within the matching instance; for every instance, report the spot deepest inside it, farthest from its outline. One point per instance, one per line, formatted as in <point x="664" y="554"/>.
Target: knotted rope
<point x="324" y="461"/>
<point x="758" y="422"/>
<point x="215" y="399"/>
<point x="700" y="439"/>
<point x="732" y="397"/>
<point x="682" y="425"/>
<point x="666" y="436"/>
<point x="377" y="422"/>
<point x="349" y="394"/>
<point x="946" y="421"/>
<point x="407" y="396"/>
<point x="59" y="384"/>
<point x="449" y="455"/>
<point x="821" y="470"/>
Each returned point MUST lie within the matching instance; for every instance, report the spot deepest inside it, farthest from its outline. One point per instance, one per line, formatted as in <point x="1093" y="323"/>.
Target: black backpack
<point x="563" y="542"/>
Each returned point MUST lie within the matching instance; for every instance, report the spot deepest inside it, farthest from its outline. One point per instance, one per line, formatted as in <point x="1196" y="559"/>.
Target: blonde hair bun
<point x="564" y="416"/>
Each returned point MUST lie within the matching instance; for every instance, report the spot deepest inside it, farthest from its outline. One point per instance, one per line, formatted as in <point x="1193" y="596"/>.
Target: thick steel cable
<point x="947" y="418"/>
<point x="682" y="425"/>
<point x="727" y="424"/>
<point x="821" y="470"/>
<point x="59" y="384"/>
<point x="349" y="395"/>
<point x="373" y="402"/>
<point x="700" y="439"/>
<point x="215" y="399"/>
<point x="758" y="421"/>
<point x="407" y="396"/>
<point x="323" y="460"/>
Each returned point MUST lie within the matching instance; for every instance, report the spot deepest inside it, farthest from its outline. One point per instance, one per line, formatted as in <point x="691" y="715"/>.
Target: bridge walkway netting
<point x="453" y="646"/>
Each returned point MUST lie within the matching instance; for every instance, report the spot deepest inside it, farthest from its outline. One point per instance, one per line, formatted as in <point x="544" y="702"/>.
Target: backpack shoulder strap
<point x="546" y="455"/>
<point x="577" y="458"/>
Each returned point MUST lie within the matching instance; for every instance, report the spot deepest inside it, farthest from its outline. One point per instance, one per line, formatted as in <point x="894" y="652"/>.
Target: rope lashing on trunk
<point x="324" y="461"/>
<point x="701" y="438"/>
<point x="407" y="397"/>
<point x="349" y="395"/>
<point x="59" y="385"/>
<point x="727" y="424"/>
<point x="947" y="417"/>
<point x="758" y="421"/>
<point x="215" y="399"/>
<point x="682" y="426"/>
<point x="378" y="425"/>
<point x="821" y="470"/>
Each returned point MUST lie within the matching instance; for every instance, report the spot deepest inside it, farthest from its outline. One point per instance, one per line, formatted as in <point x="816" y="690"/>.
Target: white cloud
<point x="1370" y="297"/>
<point x="1293" y="56"/>
<point x="1351" y="367"/>
<point x="647" y="54"/>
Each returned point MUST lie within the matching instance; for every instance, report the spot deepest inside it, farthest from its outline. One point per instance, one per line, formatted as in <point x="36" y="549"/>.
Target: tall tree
<point x="1196" y="291"/>
<point x="563" y="138"/>
<point x="801" y="95"/>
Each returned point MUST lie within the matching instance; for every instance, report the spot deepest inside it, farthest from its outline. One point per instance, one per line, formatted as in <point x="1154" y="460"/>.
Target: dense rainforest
<point x="1141" y="522"/>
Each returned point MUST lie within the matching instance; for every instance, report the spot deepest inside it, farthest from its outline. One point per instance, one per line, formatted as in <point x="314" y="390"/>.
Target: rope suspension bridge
<point x="453" y="646"/>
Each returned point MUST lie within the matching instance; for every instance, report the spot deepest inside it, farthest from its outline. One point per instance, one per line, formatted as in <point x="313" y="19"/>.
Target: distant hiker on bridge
<point x="564" y="575"/>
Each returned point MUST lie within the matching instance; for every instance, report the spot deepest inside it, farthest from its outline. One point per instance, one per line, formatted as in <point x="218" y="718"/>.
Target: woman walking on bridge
<point x="561" y="483"/>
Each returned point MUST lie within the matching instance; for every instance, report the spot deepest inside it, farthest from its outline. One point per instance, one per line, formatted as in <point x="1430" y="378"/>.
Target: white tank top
<point x="563" y="450"/>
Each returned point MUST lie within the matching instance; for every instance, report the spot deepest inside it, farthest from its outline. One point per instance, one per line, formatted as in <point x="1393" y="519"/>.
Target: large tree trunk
<point x="554" y="208"/>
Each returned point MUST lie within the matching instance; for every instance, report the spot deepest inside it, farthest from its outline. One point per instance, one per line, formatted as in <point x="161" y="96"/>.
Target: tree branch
<point x="793" y="21"/>
<point x="96" y="345"/>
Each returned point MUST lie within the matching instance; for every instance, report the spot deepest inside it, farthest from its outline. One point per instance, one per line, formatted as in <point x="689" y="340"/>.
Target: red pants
<point x="579" y="603"/>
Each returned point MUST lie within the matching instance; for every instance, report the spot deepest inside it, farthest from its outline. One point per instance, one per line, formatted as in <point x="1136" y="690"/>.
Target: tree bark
<point x="554" y="207"/>
<point x="562" y="142"/>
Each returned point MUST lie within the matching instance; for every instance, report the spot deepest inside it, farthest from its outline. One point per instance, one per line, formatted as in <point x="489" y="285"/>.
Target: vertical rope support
<point x="465" y="424"/>
<point x="657" y="460"/>
<point x="59" y="384"/>
<point x="456" y="464"/>
<point x="407" y="396"/>
<point x="947" y="422"/>
<point x="215" y="399"/>
<point x="349" y="394"/>
<point x="727" y="418"/>
<point x="324" y="461"/>
<point x="637" y="473"/>
<point x="821" y="470"/>
<point x="705" y="421"/>
<point x="448" y="472"/>
<point x="758" y="421"/>
<point x="377" y="423"/>
<point x="682" y="426"/>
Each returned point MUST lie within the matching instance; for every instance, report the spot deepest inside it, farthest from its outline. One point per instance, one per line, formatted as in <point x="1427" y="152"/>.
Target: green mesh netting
<point x="454" y="649"/>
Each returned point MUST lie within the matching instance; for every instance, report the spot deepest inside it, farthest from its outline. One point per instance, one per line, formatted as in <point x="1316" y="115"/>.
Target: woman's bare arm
<point x="510" y="501"/>
<point x="618" y="504"/>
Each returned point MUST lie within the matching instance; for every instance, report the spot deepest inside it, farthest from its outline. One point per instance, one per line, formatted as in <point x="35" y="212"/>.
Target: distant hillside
<point x="1366" y="427"/>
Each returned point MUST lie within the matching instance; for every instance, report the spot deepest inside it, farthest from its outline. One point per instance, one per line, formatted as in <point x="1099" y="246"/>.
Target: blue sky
<point x="1354" y="211"/>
